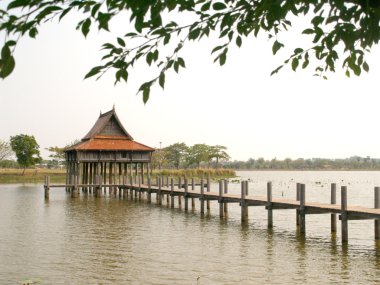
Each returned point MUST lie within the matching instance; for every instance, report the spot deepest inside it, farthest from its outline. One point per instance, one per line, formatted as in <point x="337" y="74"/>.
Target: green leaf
<point x="222" y="59"/>
<point x="276" y="46"/>
<point x="93" y="71"/>
<point x="219" y="6"/>
<point x="161" y="80"/>
<point x="295" y="63"/>
<point x="86" y="27"/>
<point x="7" y="67"/>
<point x="238" y="41"/>
<point x="181" y="62"/>
<point x="17" y="4"/>
<point x="365" y="66"/>
<point x="276" y="70"/>
<point x="121" y="42"/>
<point x="305" y="64"/>
<point x="5" y="52"/>
<point x="308" y="32"/>
<point x="146" y="94"/>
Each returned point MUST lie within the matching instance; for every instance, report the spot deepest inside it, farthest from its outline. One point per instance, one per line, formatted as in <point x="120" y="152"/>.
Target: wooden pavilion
<point x="107" y="151"/>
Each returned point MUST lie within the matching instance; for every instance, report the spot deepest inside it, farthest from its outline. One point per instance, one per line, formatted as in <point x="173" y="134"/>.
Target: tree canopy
<point x="26" y="149"/>
<point x="339" y="31"/>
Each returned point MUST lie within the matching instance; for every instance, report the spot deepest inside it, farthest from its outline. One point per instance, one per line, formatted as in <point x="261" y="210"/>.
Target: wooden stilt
<point x="221" y="204"/>
<point x="201" y="198"/>
<point x="377" y="206"/>
<point x="298" y="190"/>
<point x="186" y="194"/>
<point x="192" y="189"/>
<point x="302" y="209"/>
<point x="208" y="190"/>
<point x="333" y="202"/>
<point x="159" y="192"/>
<point x="226" y="192"/>
<point x="269" y="205"/>
<point x="47" y="189"/>
<point x="243" y="205"/>
<point x="344" y="217"/>
<point x="149" y="189"/>
<point x="172" y="192"/>
<point x="179" y="196"/>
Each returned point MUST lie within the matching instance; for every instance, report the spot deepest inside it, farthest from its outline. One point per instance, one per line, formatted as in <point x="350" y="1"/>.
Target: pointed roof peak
<point x="108" y="125"/>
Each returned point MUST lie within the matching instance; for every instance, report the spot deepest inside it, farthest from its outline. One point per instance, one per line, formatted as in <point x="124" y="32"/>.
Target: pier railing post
<point x="298" y="190"/>
<point x="269" y="206"/>
<point x="159" y="192"/>
<point x="172" y="192"/>
<point x="243" y="206"/>
<point x="225" y="192"/>
<point x="149" y="189"/>
<point x="208" y="190"/>
<point x="302" y="209"/>
<point x="333" y="202"/>
<point x="192" y="189"/>
<point x="344" y="217"/>
<point x="201" y="198"/>
<point x="179" y="195"/>
<point x="221" y="204"/>
<point x="377" y="206"/>
<point x="47" y="187"/>
<point x="186" y="195"/>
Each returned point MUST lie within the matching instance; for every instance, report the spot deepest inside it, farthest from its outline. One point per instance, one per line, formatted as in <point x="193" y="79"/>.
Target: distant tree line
<point x="354" y="162"/>
<point x="179" y="155"/>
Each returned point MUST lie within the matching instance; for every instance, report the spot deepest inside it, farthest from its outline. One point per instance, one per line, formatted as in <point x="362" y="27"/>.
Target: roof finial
<point x="100" y="113"/>
<point x="113" y="108"/>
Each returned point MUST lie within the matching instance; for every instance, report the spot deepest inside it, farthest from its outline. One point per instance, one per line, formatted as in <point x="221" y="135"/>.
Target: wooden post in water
<point x="344" y="214"/>
<point x="377" y="206"/>
<point x="172" y="192"/>
<point x="192" y="199"/>
<point x="149" y="189"/>
<point x="208" y="190"/>
<point x="201" y="198"/>
<point x="298" y="190"/>
<point x="47" y="188"/>
<point x="221" y="204"/>
<point x="186" y="195"/>
<point x="131" y="184"/>
<point x="140" y="181"/>
<point x="74" y="190"/>
<point x="124" y="185"/>
<point x="302" y="209"/>
<point x="179" y="196"/>
<point x="333" y="202"/>
<point x="225" y="192"/>
<point x="159" y="192"/>
<point x="243" y="206"/>
<point x="269" y="206"/>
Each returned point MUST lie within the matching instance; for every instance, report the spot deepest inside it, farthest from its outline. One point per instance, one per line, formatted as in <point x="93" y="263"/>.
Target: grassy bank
<point x="31" y="175"/>
<point x="58" y="176"/>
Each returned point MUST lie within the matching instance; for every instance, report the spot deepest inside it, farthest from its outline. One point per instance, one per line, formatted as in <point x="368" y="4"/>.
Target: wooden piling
<point x="149" y="190"/>
<point x="377" y="206"/>
<point x="201" y="198"/>
<point x="172" y="192"/>
<point x="243" y="204"/>
<point x="344" y="217"/>
<point x="74" y="190"/>
<point x="298" y="190"/>
<point x="208" y="190"/>
<point x="47" y="188"/>
<point x="221" y="206"/>
<point x="192" y="199"/>
<point x="269" y="205"/>
<point x="225" y="192"/>
<point x="140" y="181"/>
<point x="159" y="201"/>
<point x="179" y="196"/>
<point x="186" y="195"/>
<point x="302" y="210"/>
<point x="333" y="202"/>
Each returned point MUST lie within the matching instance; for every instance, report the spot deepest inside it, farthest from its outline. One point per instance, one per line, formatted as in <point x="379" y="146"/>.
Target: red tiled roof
<point x="110" y="144"/>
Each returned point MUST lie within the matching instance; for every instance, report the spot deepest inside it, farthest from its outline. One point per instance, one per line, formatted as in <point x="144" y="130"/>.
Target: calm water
<point x="111" y="240"/>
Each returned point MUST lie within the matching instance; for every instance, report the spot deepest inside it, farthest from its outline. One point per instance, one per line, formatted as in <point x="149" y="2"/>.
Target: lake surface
<point x="121" y="241"/>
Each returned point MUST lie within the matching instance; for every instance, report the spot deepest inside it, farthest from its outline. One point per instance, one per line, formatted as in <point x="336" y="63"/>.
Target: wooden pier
<point x="186" y="189"/>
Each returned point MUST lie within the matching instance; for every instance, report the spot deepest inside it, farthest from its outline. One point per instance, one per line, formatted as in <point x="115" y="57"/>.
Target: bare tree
<point x="5" y="150"/>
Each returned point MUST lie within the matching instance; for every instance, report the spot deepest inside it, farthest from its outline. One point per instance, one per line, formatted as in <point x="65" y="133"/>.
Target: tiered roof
<point x="108" y="133"/>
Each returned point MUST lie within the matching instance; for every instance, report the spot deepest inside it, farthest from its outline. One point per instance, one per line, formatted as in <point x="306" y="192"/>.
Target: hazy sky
<point x="238" y="105"/>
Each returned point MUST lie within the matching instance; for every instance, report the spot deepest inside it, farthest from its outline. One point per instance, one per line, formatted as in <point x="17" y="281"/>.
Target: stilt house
<point x="107" y="150"/>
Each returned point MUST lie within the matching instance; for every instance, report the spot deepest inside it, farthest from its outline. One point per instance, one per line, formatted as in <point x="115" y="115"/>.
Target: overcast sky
<point x="239" y="105"/>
